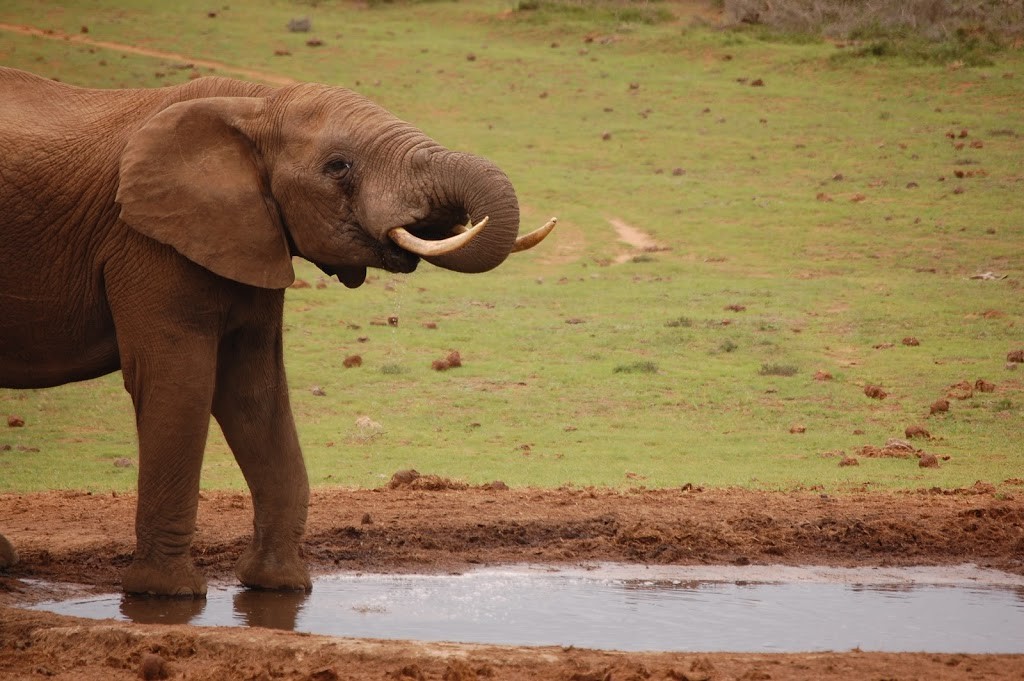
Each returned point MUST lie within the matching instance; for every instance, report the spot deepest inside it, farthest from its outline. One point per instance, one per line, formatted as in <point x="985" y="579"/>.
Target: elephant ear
<point x="192" y="178"/>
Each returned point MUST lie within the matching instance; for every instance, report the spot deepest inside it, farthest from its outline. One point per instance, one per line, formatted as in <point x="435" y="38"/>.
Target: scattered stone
<point x="470" y="57"/>
<point x="352" y="361"/>
<point x="736" y="308"/>
<point x="961" y="391"/>
<point x="15" y="422"/>
<point x="875" y="392"/>
<point x="430" y="325"/>
<point x="366" y="520"/>
<point x="299" y="283"/>
<point x="606" y="136"/>
<point x="983" y="386"/>
<point x="910" y="341"/>
<point x="928" y="461"/>
<point x="849" y="461"/>
<point x="300" y="25"/>
<point x="940" y="406"/>
<point x="403" y="477"/>
<point x="797" y="429"/>
<point x="282" y="53"/>
<point x="1015" y="356"/>
<point x="757" y="82"/>
<point x="393" y="320"/>
<point x="678" y="172"/>
<point x="123" y="462"/>
<point x="496" y="486"/>
<point x="917" y="431"/>
<point x="325" y="674"/>
<point x="318" y="391"/>
<point x="314" y="42"/>
<point x="452" y="361"/>
<point x="152" y="667"/>
<point x="820" y="375"/>
<point x="321" y="283"/>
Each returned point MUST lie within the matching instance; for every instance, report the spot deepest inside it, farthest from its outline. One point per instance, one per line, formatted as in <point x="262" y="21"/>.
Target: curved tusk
<point x="535" y="237"/>
<point x="428" y="248"/>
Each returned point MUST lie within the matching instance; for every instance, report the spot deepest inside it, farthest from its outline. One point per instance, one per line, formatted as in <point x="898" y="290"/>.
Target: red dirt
<point x="87" y="538"/>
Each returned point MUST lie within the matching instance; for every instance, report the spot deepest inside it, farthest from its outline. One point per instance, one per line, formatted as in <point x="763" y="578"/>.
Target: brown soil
<point x="87" y="538"/>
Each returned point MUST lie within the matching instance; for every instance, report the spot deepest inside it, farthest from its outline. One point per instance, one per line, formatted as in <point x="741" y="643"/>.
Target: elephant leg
<point x="173" y="391"/>
<point x="251" y="404"/>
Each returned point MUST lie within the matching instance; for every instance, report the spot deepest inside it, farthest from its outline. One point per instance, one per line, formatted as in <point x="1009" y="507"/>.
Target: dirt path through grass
<point x="50" y="34"/>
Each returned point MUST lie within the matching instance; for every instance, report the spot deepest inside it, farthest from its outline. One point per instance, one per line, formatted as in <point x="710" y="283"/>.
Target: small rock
<point x="940" y="406"/>
<point x="606" y="136"/>
<point x="911" y="341"/>
<point x="403" y="477"/>
<point x="849" y="461"/>
<point x="123" y="462"/>
<point x="314" y="42"/>
<point x="300" y="25"/>
<point x="875" y="392"/>
<point x="470" y="57"/>
<point x="317" y="391"/>
<point x="496" y="486"/>
<point x="797" y="429"/>
<point x="1015" y="356"/>
<point x="928" y="461"/>
<point x="917" y="431"/>
<point x="366" y="520"/>
<point x="820" y="375"/>
<point x="757" y="82"/>
<point x="15" y="422"/>
<point x="299" y="283"/>
<point x="983" y="386"/>
<point x="152" y="667"/>
<point x="393" y="320"/>
<point x="352" y="361"/>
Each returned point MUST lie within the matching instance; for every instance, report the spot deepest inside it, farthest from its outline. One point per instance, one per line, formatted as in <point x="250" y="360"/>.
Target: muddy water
<point x="739" y="609"/>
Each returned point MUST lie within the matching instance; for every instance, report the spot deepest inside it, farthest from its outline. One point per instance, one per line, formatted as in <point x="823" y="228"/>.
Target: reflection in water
<point x="156" y="610"/>
<point x="269" y="609"/>
<point x="615" y="611"/>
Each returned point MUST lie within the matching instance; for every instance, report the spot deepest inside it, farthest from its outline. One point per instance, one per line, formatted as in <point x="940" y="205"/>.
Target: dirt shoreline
<point x="434" y="526"/>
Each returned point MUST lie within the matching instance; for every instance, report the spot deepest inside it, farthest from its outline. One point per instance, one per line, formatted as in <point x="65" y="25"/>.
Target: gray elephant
<point x="153" y="231"/>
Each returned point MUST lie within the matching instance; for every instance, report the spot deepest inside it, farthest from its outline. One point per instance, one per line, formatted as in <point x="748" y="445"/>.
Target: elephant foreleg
<point x="251" y="404"/>
<point x="172" y="397"/>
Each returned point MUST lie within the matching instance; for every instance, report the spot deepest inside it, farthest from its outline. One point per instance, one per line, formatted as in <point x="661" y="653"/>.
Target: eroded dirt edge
<point x="433" y="525"/>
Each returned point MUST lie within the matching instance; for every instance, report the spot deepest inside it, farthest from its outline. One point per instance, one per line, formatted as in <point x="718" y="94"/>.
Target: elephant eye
<point x="337" y="167"/>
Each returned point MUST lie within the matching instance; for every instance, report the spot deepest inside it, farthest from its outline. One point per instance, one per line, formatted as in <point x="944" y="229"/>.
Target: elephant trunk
<point x="477" y="188"/>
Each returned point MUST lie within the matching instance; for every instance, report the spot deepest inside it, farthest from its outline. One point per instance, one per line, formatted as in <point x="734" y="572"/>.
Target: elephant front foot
<point x="275" y="571"/>
<point x="172" y="577"/>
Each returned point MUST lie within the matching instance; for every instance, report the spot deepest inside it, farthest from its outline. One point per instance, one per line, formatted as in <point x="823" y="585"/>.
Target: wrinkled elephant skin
<point x="153" y="231"/>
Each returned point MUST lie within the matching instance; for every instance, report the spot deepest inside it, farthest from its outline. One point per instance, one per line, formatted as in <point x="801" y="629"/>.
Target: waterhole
<point x="737" y="609"/>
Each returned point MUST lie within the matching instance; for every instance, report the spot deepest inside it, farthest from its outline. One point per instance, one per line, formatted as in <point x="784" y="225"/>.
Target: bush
<point x="930" y="30"/>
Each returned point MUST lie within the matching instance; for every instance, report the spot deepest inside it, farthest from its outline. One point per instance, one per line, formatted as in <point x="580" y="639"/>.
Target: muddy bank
<point x="88" y="538"/>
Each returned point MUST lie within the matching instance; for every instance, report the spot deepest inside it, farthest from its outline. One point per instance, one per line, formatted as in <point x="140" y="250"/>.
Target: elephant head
<point x="241" y="184"/>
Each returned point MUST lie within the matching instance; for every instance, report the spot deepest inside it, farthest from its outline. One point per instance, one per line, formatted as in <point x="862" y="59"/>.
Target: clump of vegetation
<point x="392" y="369"/>
<point x="643" y="367"/>
<point x="778" y="370"/>
<point x="942" y="31"/>
<point x="613" y="11"/>
<point x="728" y="345"/>
<point x="679" y="323"/>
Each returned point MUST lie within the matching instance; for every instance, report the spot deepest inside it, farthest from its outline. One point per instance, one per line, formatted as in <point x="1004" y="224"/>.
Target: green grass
<point x="586" y="362"/>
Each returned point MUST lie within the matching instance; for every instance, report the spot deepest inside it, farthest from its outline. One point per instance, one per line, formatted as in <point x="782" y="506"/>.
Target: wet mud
<point x="87" y="538"/>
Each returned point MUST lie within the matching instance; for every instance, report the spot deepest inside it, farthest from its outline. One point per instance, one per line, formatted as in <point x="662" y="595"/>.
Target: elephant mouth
<point x="392" y="259"/>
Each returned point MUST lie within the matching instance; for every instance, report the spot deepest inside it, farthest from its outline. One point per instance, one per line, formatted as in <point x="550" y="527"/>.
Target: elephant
<point x="152" y="231"/>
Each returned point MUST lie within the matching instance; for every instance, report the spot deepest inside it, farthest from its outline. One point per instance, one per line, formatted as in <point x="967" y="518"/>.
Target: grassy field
<point x="809" y="210"/>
